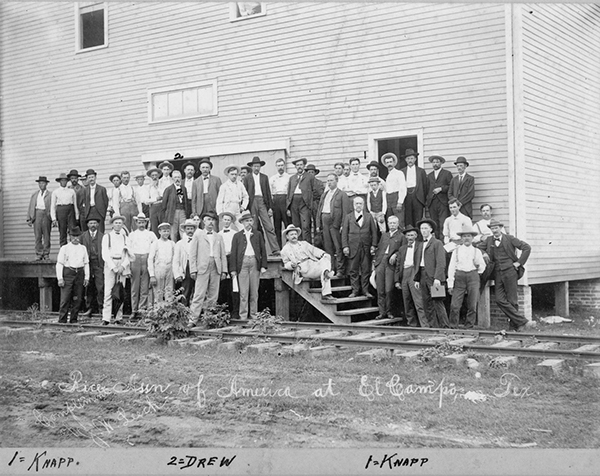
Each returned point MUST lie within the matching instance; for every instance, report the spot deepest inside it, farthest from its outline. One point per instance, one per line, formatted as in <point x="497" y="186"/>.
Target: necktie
<point x="189" y="239"/>
<point x="356" y="174"/>
<point x="497" y="243"/>
<point x="226" y="231"/>
<point x="209" y="232"/>
<point x="359" y="218"/>
<point x="410" y="246"/>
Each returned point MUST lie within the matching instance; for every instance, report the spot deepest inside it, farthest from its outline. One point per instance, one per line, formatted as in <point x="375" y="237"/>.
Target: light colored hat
<point x="141" y="174"/>
<point x="165" y="164"/>
<point x="140" y="217"/>
<point x="229" y="167"/>
<point x="164" y="225"/>
<point x="229" y="214"/>
<point x="117" y="217"/>
<point x="439" y="157"/>
<point x="291" y="227"/>
<point x="245" y="216"/>
<point x="189" y="222"/>
<point x="389" y="155"/>
<point x="154" y="169"/>
<point x="467" y="231"/>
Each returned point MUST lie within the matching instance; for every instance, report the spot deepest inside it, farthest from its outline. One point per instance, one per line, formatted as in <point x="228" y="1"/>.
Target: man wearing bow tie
<point x="300" y="199"/>
<point x="357" y="184"/>
<point x="226" y="293"/>
<point x="175" y="205"/>
<point x="140" y="242"/>
<point x="181" y="261"/>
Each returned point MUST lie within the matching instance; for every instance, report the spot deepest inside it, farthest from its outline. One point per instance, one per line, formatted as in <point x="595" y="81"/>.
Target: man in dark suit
<point x="95" y="201"/>
<point x="462" y="187"/>
<point x="176" y="207"/>
<point x="437" y="198"/>
<point x="500" y="249"/>
<point x="359" y="239"/>
<point x="260" y="202"/>
<point x="300" y="199"/>
<point x="333" y="207"/>
<point x="205" y="190"/>
<point x="38" y="216"/>
<point x="430" y="261"/>
<point x="385" y="263"/>
<point x="318" y="189"/>
<point x="248" y="261"/>
<point x="416" y="189"/>
<point x="92" y="240"/>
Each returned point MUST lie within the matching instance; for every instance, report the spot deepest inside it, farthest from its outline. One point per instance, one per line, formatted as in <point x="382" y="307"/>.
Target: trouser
<point x="155" y="217"/>
<point x="163" y="289"/>
<point x="392" y="208"/>
<point x="226" y="294"/>
<point x="178" y="220"/>
<point x="128" y="210"/>
<point x="360" y="269"/>
<point x="65" y="216"/>
<point x="110" y="278"/>
<point x="95" y="288"/>
<point x="465" y="282"/>
<point x="507" y="297"/>
<point x="434" y="308"/>
<point x="301" y="217"/>
<point x="438" y="212"/>
<point x="317" y="270"/>
<point x="332" y="242"/>
<point x="249" y="280"/>
<point x="206" y="291"/>
<point x="186" y="286"/>
<point x="260" y="213"/>
<point x="413" y="300"/>
<point x="413" y="210"/>
<point x="140" y="282"/>
<point x="42" y="226"/>
<point x="71" y="293"/>
<point x="384" y="279"/>
<point x="280" y="216"/>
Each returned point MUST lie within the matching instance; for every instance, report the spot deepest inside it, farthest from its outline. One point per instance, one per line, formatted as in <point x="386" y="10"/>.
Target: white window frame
<point x="373" y="138"/>
<point x="233" y="10"/>
<point x="151" y="92"/>
<point x="78" y="6"/>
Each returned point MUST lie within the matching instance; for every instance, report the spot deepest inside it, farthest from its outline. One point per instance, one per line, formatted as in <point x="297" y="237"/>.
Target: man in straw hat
<point x="466" y="265"/>
<point x="140" y="242"/>
<point x="181" y="261"/>
<point x="141" y="194"/>
<point x="73" y="274"/>
<point x="38" y="217"/>
<point x="395" y="187"/>
<point x="94" y="291"/>
<point x="160" y="264"/>
<point x="307" y="261"/>
<point x="462" y="187"/>
<point x="260" y="202"/>
<point x="116" y="266"/>
<point x="416" y="188"/>
<point x="437" y="198"/>
<point x="233" y="196"/>
<point x="94" y="202"/>
<point x="206" y="189"/>
<point x="154" y="199"/>
<point x="300" y="198"/>
<point x="64" y="210"/>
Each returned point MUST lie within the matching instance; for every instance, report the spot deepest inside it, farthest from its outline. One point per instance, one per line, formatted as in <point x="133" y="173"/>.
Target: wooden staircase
<point x="340" y="310"/>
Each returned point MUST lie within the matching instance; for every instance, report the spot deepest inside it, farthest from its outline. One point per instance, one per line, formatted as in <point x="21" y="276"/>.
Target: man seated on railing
<point x="306" y="260"/>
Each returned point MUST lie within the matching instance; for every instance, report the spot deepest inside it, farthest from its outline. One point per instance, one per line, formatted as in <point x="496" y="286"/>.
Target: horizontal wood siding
<point x="324" y="74"/>
<point x="561" y="84"/>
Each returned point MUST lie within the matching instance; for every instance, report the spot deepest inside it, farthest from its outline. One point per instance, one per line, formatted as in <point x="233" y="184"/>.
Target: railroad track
<point x="371" y="339"/>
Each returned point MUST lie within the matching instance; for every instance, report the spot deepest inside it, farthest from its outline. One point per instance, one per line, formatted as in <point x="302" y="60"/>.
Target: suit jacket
<point x="318" y="189"/>
<point x="200" y="253"/>
<point x="264" y="187"/>
<point x="86" y="240"/>
<point x="463" y="192"/>
<point x="307" y="187"/>
<point x="510" y="244"/>
<point x="443" y="180"/>
<point x="33" y="202"/>
<point x="395" y="242"/>
<point x="100" y="200"/>
<point x="238" y="248"/>
<point x="354" y="236"/>
<point x="422" y="187"/>
<point x="340" y="207"/>
<point x="181" y="258"/>
<point x="401" y="257"/>
<point x="435" y="260"/>
<point x="199" y="203"/>
<point x="169" y="203"/>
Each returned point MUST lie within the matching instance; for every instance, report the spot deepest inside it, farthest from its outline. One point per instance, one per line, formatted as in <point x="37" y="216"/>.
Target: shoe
<point x="87" y="313"/>
<point x="527" y="326"/>
<point x="353" y="295"/>
<point x="119" y="322"/>
<point x="73" y="321"/>
<point x="380" y="316"/>
<point x="105" y="323"/>
<point x="369" y="295"/>
<point x="327" y="297"/>
<point x="276" y="253"/>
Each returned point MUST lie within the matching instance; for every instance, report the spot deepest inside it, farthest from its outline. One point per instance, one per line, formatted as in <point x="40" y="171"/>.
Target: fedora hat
<point x="409" y="152"/>
<point x="205" y="161"/>
<point x="313" y="168"/>
<point x="467" y="231"/>
<point x="256" y="160"/>
<point x="166" y="164"/>
<point x="75" y="231"/>
<point x="141" y="217"/>
<point x="230" y="167"/>
<point x="186" y="164"/>
<point x="431" y="223"/>
<point x="117" y="217"/>
<point x="209" y="214"/>
<point x="154" y="169"/>
<point x="110" y="179"/>
<point x="164" y="224"/>
<point x="461" y="160"/>
<point x="387" y="156"/>
<point x="291" y="227"/>
<point x="92" y="218"/>
<point x="72" y="173"/>
<point x="373" y="163"/>
<point x="439" y="157"/>
<point x="301" y="159"/>
<point x="245" y="216"/>
<point x="42" y="178"/>
<point x="410" y="228"/>
<point x="246" y="168"/>
<point x="90" y="172"/>
<point x="62" y="177"/>
<point x="495" y="223"/>
<point x="229" y="214"/>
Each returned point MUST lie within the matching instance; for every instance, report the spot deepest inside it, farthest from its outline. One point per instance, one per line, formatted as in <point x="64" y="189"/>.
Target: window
<point x="91" y="26"/>
<point x="244" y="10"/>
<point x="186" y="102"/>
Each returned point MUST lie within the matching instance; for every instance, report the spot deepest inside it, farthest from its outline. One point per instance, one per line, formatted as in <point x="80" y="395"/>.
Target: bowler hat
<point x="205" y="161"/>
<point x="245" y="216"/>
<point x="165" y="164"/>
<point x="117" y="217"/>
<point x="461" y="160"/>
<point x="387" y="156"/>
<point x="164" y="224"/>
<point x="90" y="172"/>
<point x="42" y="178"/>
<point x="410" y="228"/>
<point x="62" y="177"/>
<point x="291" y="227"/>
<point x="230" y="167"/>
<point x="409" y="152"/>
<point x="75" y="231"/>
<point x="188" y="163"/>
<point x="495" y="223"/>
<point x="229" y="214"/>
<point x="73" y="172"/>
<point x="154" y="169"/>
<point x="313" y="168"/>
<point x="373" y="163"/>
<point x="429" y="222"/>
<point x="110" y="179"/>
<point x="209" y="214"/>
<point x="301" y="159"/>
<point x="256" y="160"/>
<point x="439" y="157"/>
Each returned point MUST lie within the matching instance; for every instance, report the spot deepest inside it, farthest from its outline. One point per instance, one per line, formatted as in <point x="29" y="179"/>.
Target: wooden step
<point x="345" y="300"/>
<point x="334" y="289"/>
<point x="357" y="312"/>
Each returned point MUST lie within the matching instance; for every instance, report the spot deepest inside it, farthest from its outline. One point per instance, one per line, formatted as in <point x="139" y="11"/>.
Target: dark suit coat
<point x="435" y="260"/>
<point x="510" y="244"/>
<point x="464" y="193"/>
<point x="395" y="242"/>
<point x="421" y="189"/>
<point x="169" y="203"/>
<point x="319" y="188"/>
<point x="398" y="273"/>
<point x="307" y="187"/>
<point x="33" y="203"/>
<point x="238" y="248"/>
<point x="354" y="236"/>
<point x="443" y="180"/>
<point x="340" y="207"/>
<point x="100" y="201"/>
<point x="86" y="240"/>
<point x="264" y="187"/>
<point x="199" y="205"/>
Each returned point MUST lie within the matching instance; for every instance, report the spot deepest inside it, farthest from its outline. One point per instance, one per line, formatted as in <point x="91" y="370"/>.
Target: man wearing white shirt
<point x="160" y="264"/>
<point x="226" y="292"/>
<point x="416" y="188"/>
<point x="279" y="187"/>
<point x="116" y="266"/>
<point x="38" y="217"/>
<point x="127" y="204"/>
<point x="141" y="195"/>
<point x="114" y="197"/>
<point x="189" y="170"/>
<point x="181" y="262"/>
<point x="395" y="187"/>
<point x="140" y="242"/>
<point x="64" y="211"/>
<point x="455" y="223"/>
<point x="357" y="183"/>
<point x="166" y="180"/>
<point x="73" y="274"/>
<point x="154" y="199"/>
<point x="342" y="171"/>
<point x="482" y="227"/>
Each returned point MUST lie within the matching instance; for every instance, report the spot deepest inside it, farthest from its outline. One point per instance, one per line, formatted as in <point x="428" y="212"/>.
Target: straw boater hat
<point x="229" y="167"/>
<point x="164" y="225"/>
<point x="289" y="228"/>
<point x="431" y="223"/>
<point x="313" y="168"/>
<point x="154" y="169"/>
<point x="72" y="173"/>
<point x="117" y="217"/>
<point x="229" y="214"/>
<point x="140" y="217"/>
<point x="189" y="222"/>
<point x="42" y="178"/>
<point x="409" y="152"/>
<point x="75" y="231"/>
<point x="166" y="164"/>
<point x="461" y="160"/>
<point x="62" y="177"/>
<point x="441" y="159"/>
<point x="387" y="156"/>
<point x="110" y="179"/>
<point x="256" y="160"/>
<point x="245" y="216"/>
<point x="301" y="159"/>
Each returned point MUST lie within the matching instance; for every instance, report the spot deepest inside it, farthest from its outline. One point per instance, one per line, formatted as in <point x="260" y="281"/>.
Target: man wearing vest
<point x="300" y="198"/>
<point x="38" y="217"/>
<point x="181" y="262"/>
<point x="437" y="198"/>
<point x="92" y="240"/>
